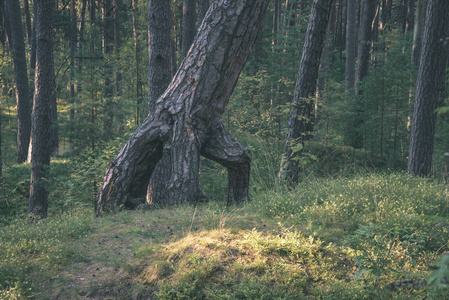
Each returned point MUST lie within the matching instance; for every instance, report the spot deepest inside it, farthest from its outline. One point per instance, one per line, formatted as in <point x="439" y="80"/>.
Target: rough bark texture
<point x="300" y="124"/>
<point x="188" y="26"/>
<point x="189" y="111"/>
<point x="42" y="120"/>
<point x="428" y="85"/>
<point x="21" y="80"/>
<point x="159" y="77"/>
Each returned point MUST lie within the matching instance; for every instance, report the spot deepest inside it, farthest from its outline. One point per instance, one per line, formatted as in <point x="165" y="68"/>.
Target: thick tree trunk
<point x="159" y="77"/>
<point x="42" y="121"/>
<point x="188" y="111"/>
<point x="21" y="79"/>
<point x="428" y="85"/>
<point x="188" y="26"/>
<point x="300" y="124"/>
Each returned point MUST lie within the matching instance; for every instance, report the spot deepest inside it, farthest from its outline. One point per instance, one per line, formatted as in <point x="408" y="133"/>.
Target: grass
<point x="358" y="238"/>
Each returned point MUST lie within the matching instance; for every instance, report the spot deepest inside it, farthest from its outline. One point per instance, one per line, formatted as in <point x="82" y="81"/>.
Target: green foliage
<point x="29" y="252"/>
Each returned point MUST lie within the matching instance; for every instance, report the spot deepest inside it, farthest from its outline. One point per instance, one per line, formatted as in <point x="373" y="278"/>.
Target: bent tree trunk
<point x="187" y="120"/>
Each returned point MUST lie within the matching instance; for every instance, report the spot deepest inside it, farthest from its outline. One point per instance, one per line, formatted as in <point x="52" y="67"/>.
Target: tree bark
<point x="26" y="9"/>
<point x="300" y="124"/>
<point x="203" y="6"/>
<point x="139" y="84"/>
<point x="188" y="111"/>
<point x="188" y="26"/>
<point x="368" y="13"/>
<point x="42" y="120"/>
<point x="417" y="32"/>
<point x="72" y="63"/>
<point x="21" y="79"/>
<point x="428" y="85"/>
<point x="159" y="77"/>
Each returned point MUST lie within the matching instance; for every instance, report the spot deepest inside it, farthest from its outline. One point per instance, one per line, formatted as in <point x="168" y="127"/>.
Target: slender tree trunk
<point x="367" y="16"/>
<point x="368" y="13"/>
<point x="81" y="41"/>
<point x="351" y="36"/>
<point x="72" y="63"/>
<point x="33" y="43"/>
<point x="42" y="120"/>
<point x="188" y="26"/>
<point x="300" y="124"/>
<point x="117" y="41"/>
<point x="21" y="80"/>
<point x="417" y="32"/>
<point x="189" y="112"/>
<point x="2" y="23"/>
<point x="428" y="86"/>
<point x="108" y="41"/>
<point x="26" y="9"/>
<point x="410" y="16"/>
<point x="139" y="84"/>
<point x="386" y="13"/>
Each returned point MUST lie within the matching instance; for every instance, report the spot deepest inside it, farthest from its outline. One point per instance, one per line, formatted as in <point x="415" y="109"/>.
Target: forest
<point x="217" y="149"/>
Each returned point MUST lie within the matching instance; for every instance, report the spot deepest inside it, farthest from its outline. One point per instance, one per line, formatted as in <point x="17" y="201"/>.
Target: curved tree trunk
<point x="21" y="80"/>
<point x="428" y="86"/>
<point x="188" y="112"/>
<point x="300" y="124"/>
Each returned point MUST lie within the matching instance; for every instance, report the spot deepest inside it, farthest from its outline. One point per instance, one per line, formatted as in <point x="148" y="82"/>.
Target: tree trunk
<point x="351" y="36"/>
<point x="188" y="26"/>
<point x="108" y="42"/>
<point x="42" y="121"/>
<point x="410" y="16"/>
<point x="300" y="124"/>
<point x="21" y="79"/>
<point x="367" y="16"/>
<point x="189" y="112"/>
<point x="428" y="85"/>
<point x="159" y="76"/>
<point x="417" y="32"/>
<point x="158" y="50"/>
<point x="72" y="64"/>
<point x="118" y="43"/>
<point x="33" y="42"/>
<point x="368" y="13"/>
<point x="203" y="6"/>
<point x="139" y="84"/>
<point x="26" y="9"/>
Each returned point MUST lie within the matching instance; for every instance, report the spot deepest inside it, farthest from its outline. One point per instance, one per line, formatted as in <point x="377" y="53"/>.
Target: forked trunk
<point x="187" y="120"/>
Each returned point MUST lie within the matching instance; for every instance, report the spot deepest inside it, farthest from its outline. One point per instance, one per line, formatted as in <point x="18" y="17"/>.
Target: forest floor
<point x="372" y="236"/>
